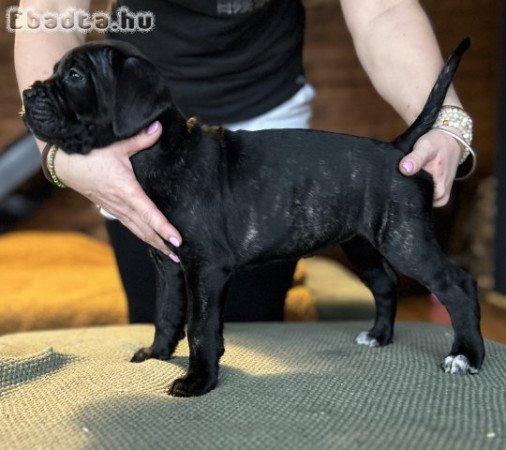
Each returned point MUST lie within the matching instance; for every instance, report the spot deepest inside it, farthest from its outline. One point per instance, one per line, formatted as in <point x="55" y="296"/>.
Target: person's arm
<point x="104" y="176"/>
<point x="397" y="47"/>
<point x="35" y="53"/>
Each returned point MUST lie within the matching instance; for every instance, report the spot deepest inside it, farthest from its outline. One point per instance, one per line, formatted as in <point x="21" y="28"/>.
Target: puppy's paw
<point x="192" y="385"/>
<point x="458" y="364"/>
<point x="365" y="339"/>
<point x="142" y="355"/>
<point x="148" y="353"/>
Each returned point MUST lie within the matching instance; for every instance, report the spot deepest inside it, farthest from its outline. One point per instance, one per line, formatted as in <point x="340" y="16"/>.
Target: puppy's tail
<point x="427" y="117"/>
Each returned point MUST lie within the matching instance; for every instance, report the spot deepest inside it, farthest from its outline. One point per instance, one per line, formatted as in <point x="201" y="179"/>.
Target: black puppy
<point x="250" y="197"/>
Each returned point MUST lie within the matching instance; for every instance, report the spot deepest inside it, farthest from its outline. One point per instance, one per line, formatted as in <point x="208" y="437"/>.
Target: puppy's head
<point x="99" y="93"/>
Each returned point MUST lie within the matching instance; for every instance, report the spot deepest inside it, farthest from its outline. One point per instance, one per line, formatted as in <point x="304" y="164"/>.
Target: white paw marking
<point x="364" y="339"/>
<point x="458" y="364"/>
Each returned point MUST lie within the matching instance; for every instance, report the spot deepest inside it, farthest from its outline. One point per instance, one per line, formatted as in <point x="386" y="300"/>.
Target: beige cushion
<point x="282" y="385"/>
<point x="338" y="293"/>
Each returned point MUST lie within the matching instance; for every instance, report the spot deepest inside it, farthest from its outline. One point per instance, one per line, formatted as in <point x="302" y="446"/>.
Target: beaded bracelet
<point x="48" y="156"/>
<point x="455" y="117"/>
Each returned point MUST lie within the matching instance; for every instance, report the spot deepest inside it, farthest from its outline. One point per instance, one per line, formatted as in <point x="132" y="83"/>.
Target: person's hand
<point x="106" y="177"/>
<point x="438" y="154"/>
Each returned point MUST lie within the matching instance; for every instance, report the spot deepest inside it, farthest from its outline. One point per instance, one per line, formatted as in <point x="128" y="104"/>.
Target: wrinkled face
<point x="99" y="93"/>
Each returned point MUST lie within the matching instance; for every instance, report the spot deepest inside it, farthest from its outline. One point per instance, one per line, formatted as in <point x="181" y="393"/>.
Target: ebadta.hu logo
<point x="121" y="21"/>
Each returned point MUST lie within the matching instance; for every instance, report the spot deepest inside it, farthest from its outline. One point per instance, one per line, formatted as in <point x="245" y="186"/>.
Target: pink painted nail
<point x="153" y="128"/>
<point x="174" y="241"/>
<point x="408" y="166"/>
<point x="174" y="258"/>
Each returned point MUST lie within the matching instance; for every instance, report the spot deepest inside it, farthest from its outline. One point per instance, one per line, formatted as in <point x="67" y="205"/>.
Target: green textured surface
<point x="306" y="386"/>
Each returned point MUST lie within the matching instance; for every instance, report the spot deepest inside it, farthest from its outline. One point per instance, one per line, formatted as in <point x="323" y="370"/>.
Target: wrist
<point x="49" y="156"/>
<point x="457" y="121"/>
<point x="61" y="164"/>
<point x="453" y="144"/>
<point x="470" y="163"/>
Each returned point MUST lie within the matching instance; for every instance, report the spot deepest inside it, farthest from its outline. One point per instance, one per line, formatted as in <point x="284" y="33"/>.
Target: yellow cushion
<point x="58" y="279"/>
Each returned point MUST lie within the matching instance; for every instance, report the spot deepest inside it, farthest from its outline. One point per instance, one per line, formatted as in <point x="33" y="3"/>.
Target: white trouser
<point x="293" y="113"/>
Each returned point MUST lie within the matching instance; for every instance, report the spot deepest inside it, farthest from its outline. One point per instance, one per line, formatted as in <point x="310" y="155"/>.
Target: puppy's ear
<point x="140" y="97"/>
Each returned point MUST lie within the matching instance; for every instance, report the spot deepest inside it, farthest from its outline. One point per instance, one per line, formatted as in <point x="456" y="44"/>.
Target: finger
<point x="141" y="224"/>
<point x="159" y="223"/>
<point x="421" y="155"/>
<point x="144" y="210"/>
<point x="441" y="196"/>
<point x="147" y="235"/>
<point x="142" y="140"/>
<point x="440" y="202"/>
<point x="147" y="212"/>
<point x="442" y="191"/>
<point x="443" y="177"/>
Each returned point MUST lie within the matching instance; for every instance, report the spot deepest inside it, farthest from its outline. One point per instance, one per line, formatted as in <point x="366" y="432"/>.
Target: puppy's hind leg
<point x="417" y="254"/>
<point x="380" y="278"/>
<point x="170" y="310"/>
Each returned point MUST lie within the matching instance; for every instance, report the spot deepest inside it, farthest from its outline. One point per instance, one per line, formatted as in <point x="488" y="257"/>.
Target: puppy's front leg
<point x="206" y="296"/>
<point x="170" y="310"/>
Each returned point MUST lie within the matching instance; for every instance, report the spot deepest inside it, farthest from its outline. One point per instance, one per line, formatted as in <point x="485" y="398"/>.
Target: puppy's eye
<point x="74" y="75"/>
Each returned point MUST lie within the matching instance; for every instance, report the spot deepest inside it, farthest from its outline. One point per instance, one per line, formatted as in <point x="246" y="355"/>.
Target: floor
<point x="345" y="102"/>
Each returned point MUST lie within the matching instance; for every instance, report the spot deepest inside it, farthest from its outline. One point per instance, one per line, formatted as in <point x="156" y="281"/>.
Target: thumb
<point x="146" y="138"/>
<point x="416" y="160"/>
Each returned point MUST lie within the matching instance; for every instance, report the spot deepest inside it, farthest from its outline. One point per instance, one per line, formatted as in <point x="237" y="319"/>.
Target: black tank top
<point x="224" y="60"/>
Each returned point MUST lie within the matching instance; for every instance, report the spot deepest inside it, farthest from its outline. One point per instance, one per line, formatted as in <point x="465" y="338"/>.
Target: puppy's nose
<point x="34" y="89"/>
<point x="28" y="93"/>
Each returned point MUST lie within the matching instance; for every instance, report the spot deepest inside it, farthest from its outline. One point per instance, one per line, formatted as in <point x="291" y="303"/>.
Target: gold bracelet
<point x="50" y="167"/>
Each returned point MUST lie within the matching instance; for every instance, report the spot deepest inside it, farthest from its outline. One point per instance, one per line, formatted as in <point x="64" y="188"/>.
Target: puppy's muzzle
<point x="40" y="111"/>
